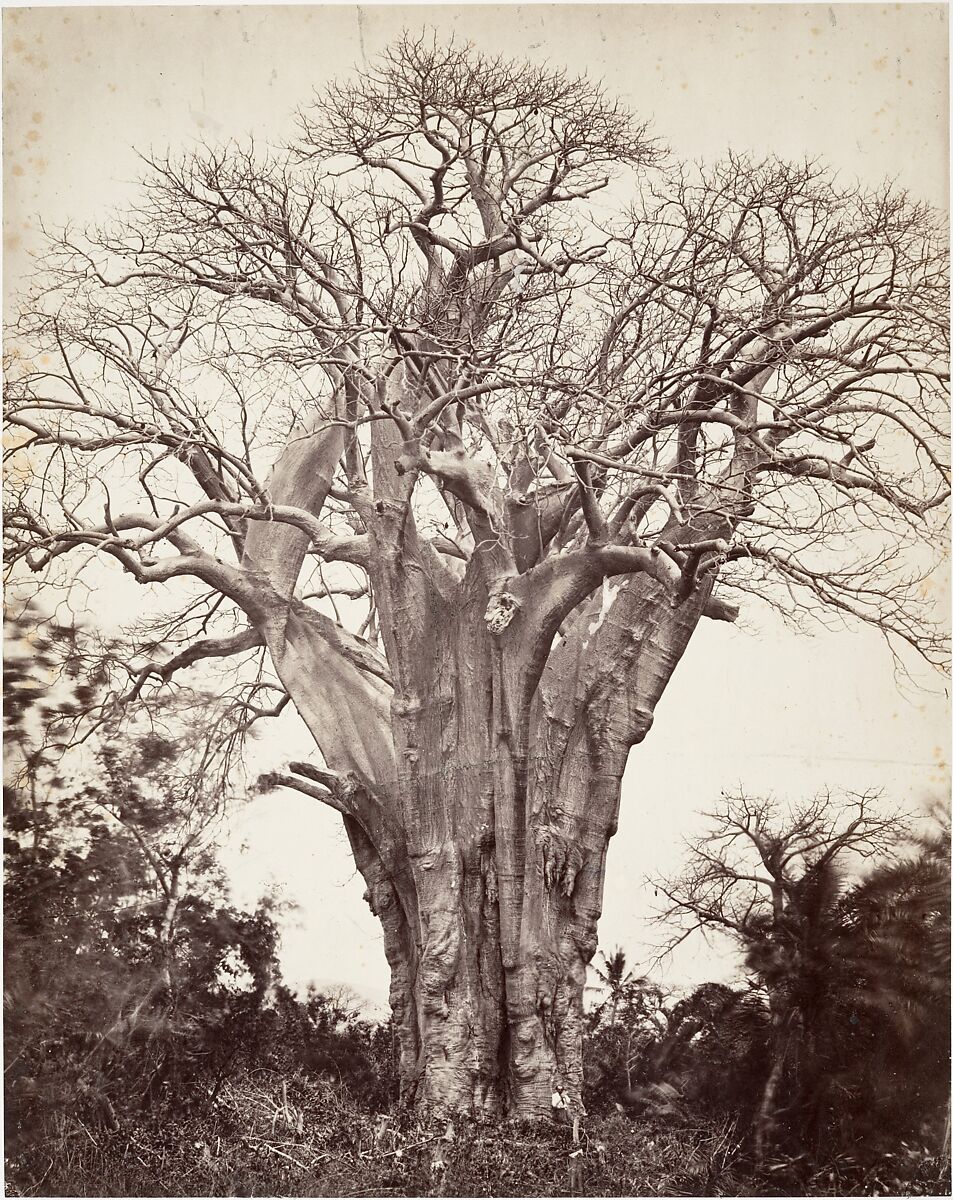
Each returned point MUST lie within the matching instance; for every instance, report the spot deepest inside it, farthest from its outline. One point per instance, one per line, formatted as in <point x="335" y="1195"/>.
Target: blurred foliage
<point x="857" y="977"/>
<point x="132" y="984"/>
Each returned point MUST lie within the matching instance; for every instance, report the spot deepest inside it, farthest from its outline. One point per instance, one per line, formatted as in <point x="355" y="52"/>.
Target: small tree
<point x="837" y="977"/>
<point x="468" y="458"/>
<point x="615" y="977"/>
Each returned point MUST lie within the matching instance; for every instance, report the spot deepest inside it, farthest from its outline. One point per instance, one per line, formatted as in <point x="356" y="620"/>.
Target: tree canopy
<point x="607" y="347"/>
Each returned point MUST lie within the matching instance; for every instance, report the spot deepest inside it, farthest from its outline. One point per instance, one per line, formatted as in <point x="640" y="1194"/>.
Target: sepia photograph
<point x="476" y="530"/>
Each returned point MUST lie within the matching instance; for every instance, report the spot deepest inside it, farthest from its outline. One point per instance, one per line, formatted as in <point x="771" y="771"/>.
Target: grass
<point x="268" y="1137"/>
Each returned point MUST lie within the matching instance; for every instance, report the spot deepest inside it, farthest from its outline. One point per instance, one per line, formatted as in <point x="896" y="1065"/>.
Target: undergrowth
<point x="265" y="1136"/>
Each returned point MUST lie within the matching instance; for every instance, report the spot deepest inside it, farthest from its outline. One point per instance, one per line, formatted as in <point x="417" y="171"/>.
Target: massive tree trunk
<point x="507" y="817"/>
<point x="478" y="762"/>
<point x="481" y="827"/>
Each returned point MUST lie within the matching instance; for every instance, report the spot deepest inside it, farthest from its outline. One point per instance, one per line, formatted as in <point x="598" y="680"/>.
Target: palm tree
<point x="614" y="977"/>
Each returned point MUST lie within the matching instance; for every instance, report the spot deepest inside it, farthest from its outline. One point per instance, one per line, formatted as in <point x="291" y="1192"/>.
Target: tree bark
<point x="484" y="854"/>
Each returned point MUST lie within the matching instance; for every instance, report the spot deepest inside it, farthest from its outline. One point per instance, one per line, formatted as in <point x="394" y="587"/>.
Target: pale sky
<point x="862" y="86"/>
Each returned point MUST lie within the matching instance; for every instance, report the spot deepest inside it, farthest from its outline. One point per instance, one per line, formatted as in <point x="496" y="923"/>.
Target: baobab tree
<point x="455" y="417"/>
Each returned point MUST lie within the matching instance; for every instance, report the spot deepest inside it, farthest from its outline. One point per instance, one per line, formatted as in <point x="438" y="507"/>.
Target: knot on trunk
<point x="438" y="968"/>
<point x="501" y="610"/>
<point x="587" y="942"/>
<point x="407" y="462"/>
<point x="561" y="859"/>
<point x="406" y="705"/>
<point x="379" y="897"/>
<point x="640" y="723"/>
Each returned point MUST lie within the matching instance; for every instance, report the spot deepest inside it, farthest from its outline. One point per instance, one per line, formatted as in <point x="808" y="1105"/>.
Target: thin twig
<point x="281" y="1153"/>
